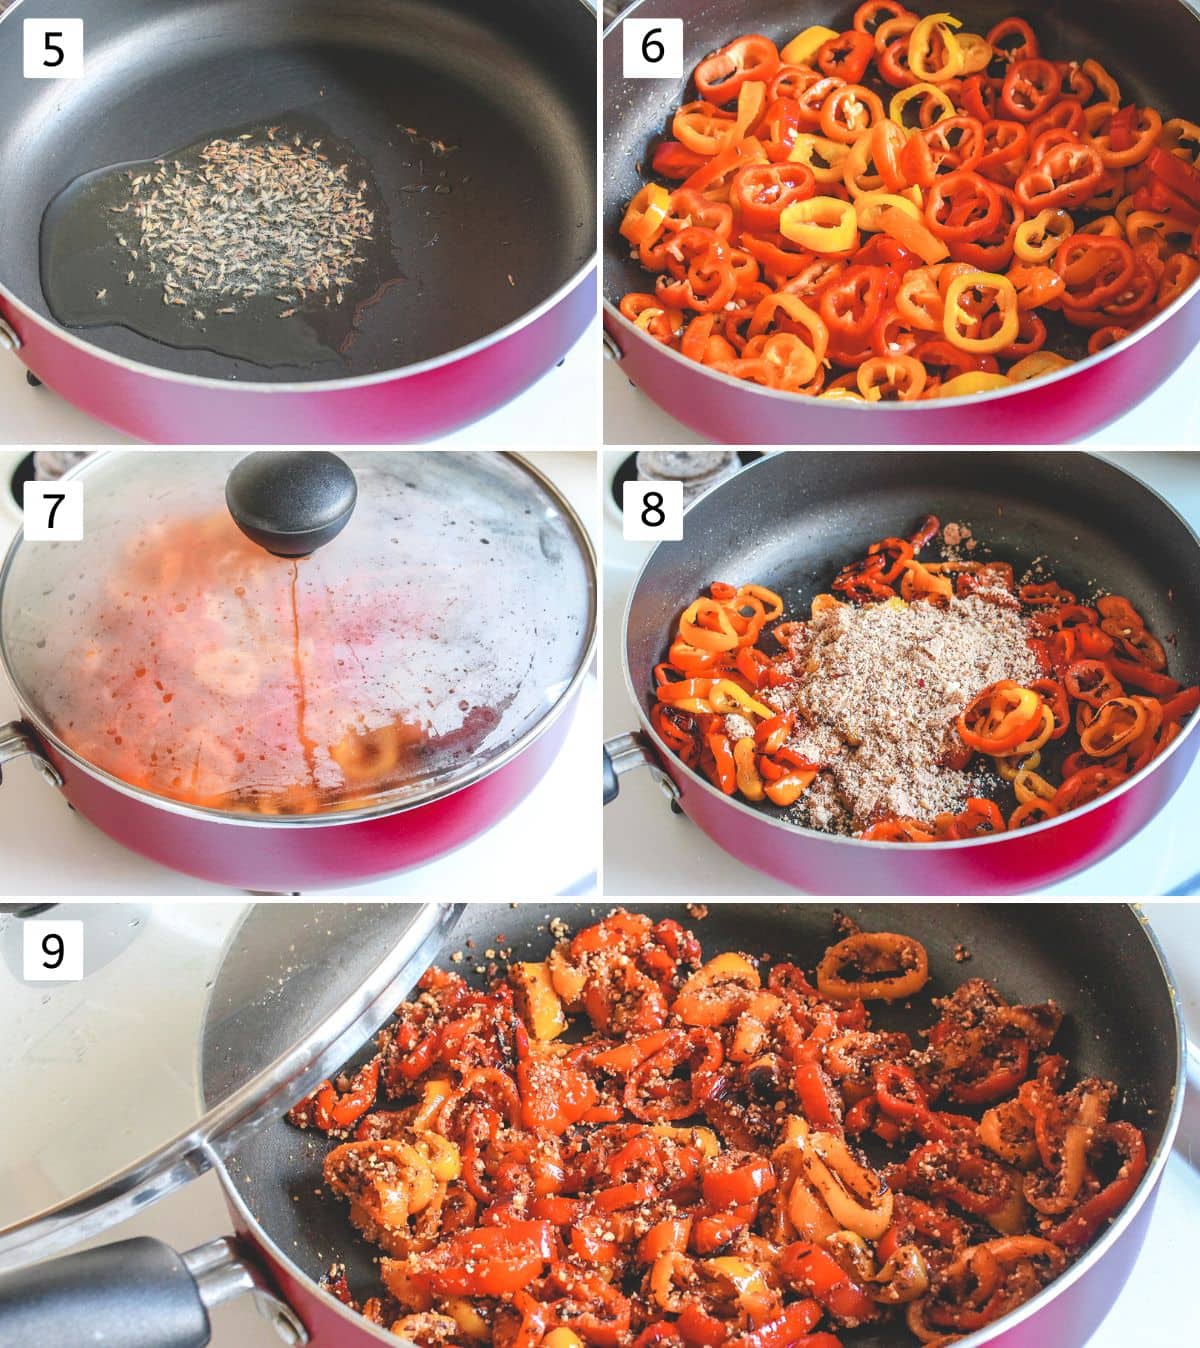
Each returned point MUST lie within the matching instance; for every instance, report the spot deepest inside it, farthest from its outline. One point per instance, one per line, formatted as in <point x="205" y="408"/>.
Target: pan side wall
<point x="283" y="859"/>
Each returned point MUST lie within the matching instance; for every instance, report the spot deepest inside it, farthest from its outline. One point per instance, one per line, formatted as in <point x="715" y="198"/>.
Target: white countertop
<point x="549" y="844"/>
<point x="1170" y="416"/>
<point x="648" y="850"/>
<point x="1148" y="1313"/>
<point x="561" y="410"/>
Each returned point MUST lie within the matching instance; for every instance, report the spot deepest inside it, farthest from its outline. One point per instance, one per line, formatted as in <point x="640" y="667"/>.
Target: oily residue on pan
<point x="259" y="244"/>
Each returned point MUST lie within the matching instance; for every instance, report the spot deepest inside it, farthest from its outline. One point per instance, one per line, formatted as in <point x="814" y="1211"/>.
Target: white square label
<point x="653" y="511"/>
<point x="53" y="49"/>
<point x="653" y="49"/>
<point x="53" y="951"/>
<point x="53" y="511"/>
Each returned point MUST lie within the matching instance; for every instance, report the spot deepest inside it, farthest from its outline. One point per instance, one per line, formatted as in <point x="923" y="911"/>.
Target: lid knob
<point x="291" y="502"/>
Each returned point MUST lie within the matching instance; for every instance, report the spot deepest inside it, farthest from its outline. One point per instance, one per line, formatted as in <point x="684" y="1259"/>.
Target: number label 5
<point x="53" y="951"/>
<point x="653" y="49"/>
<point x="53" y="512"/>
<point x="653" y="511"/>
<point x="53" y="49"/>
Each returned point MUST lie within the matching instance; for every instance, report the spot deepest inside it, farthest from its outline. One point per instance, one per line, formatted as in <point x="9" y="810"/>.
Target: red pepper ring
<point x="999" y="718"/>
<point x="1065" y="174"/>
<point x="847" y="56"/>
<point x="1096" y="268"/>
<point x="1031" y="87"/>
<point x="962" y="207"/>
<point x="1026" y="47"/>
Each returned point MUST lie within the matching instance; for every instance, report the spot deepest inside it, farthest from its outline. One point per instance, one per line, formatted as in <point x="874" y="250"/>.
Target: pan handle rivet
<point x="611" y="350"/>
<point x="9" y="341"/>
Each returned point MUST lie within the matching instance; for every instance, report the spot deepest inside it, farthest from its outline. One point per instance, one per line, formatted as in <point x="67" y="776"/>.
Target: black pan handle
<point x="291" y="502"/>
<point x="134" y="1294"/>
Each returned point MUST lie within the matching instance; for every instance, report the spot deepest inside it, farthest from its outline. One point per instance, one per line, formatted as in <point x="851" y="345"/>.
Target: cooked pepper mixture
<point x="623" y="1145"/>
<point x="909" y="210"/>
<point x="752" y="722"/>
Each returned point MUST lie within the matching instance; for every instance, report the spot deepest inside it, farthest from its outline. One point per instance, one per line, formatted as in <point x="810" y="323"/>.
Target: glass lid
<point x="191" y="1025"/>
<point x="288" y="634"/>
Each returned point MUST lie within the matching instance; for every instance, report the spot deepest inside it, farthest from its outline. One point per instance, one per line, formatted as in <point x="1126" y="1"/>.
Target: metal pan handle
<point x="18" y="739"/>
<point x="622" y="755"/>
<point x="138" y="1293"/>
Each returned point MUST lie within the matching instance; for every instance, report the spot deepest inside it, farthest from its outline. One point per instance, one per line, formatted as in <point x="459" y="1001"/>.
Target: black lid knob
<point x="291" y="502"/>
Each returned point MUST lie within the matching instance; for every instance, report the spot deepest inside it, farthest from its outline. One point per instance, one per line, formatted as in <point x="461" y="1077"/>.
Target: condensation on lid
<point x="167" y="649"/>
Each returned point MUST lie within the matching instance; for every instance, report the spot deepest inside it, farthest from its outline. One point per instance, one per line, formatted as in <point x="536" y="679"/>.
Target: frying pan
<point x="791" y="520"/>
<point x="290" y="1226"/>
<point x="496" y="260"/>
<point x="1151" y="49"/>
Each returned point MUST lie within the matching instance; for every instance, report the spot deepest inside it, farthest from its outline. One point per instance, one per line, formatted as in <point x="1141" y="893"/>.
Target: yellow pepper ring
<point x="804" y="46"/>
<point x="956" y="317"/>
<point x="1037" y="240"/>
<point x="823" y="224"/>
<point x="808" y="149"/>
<point x="870" y="206"/>
<point x="977" y="53"/>
<point x="727" y="696"/>
<point x="914" y="92"/>
<point x="1036" y="365"/>
<point x="644" y="218"/>
<point x="921" y="44"/>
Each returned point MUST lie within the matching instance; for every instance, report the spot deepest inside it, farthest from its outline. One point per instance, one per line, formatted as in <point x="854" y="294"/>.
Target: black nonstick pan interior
<point x="791" y="521"/>
<point x="1150" y="47"/>
<point x="1095" y="960"/>
<point x="511" y="86"/>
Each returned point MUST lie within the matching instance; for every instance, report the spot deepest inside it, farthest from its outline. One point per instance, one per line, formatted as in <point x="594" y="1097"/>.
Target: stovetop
<point x="648" y="850"/>
<point x="547" y="845"/>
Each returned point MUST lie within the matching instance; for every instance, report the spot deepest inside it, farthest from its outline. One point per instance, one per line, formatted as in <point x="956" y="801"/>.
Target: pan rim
<point x="668" y="756"/>
<point x="578" y="278"/>
<point x="848" y="406"/>
<point x="1144" y="1194"/>
<point x="476" y="772"/>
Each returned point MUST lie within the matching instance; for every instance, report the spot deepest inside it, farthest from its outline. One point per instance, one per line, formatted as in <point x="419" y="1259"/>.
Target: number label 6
<point x="53" y="49"/>
<point x="652" y="49"/>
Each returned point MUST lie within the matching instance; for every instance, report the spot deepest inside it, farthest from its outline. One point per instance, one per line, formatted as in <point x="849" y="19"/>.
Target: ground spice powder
<point x="878" y="689"/>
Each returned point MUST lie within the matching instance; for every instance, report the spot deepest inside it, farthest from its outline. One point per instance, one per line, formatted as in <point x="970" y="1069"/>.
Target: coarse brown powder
<point x="878" y="689"/>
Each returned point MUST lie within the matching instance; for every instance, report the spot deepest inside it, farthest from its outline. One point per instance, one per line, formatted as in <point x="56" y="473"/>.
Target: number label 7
<point x="53" y="512"/>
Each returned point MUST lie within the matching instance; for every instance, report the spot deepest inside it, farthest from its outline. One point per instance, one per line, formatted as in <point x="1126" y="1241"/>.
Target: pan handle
<point x="138" y="1293"/>
<point x="18" y="739"/>
<point x="622" y="755"/>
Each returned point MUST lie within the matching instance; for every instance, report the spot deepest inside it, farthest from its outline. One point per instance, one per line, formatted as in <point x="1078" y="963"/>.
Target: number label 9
<point x="653" y="511"/>
<point x="53" y="512"/>
<point x="653" y="49"/>
<point x="53" y="49"/>
<point x="52" y="951"/>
